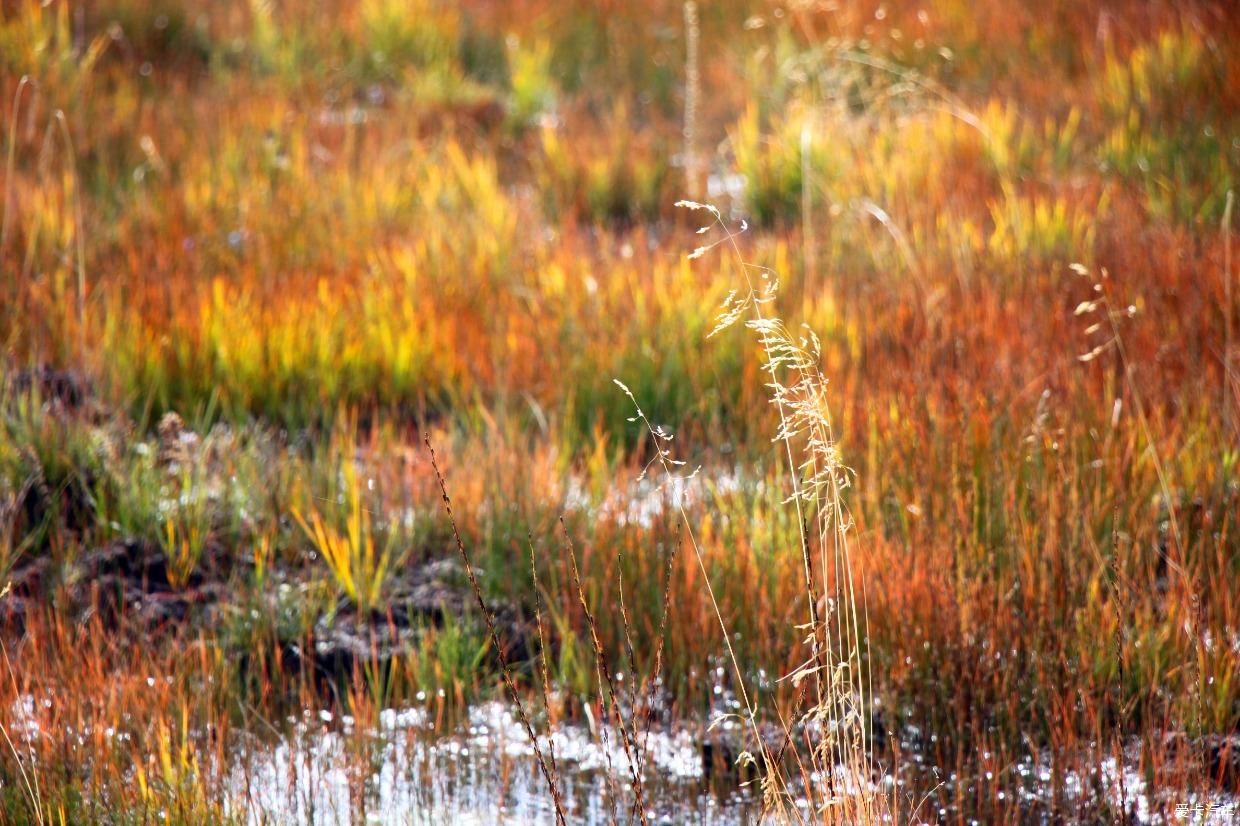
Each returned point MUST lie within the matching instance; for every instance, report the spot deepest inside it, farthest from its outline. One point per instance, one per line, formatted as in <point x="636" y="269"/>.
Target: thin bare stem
<point x="627" y="740"/>
<point x="489" y="618"/>
<point x="1228" y="313"/>
<point x="542" y="660"/>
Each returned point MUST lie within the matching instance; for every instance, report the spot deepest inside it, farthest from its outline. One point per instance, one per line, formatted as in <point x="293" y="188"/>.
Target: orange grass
<point x="243" y="215"/>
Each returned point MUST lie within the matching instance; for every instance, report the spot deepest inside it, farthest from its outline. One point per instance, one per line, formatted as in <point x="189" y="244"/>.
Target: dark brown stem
<point x="488" y="616"/>
<point x="626" y="737"/>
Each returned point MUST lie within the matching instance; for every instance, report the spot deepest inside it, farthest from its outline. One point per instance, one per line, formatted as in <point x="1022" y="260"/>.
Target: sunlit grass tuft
<point x="359" y="564"/>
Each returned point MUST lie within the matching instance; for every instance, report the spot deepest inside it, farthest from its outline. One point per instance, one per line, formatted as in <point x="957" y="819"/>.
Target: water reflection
<point x="483" y="771"/>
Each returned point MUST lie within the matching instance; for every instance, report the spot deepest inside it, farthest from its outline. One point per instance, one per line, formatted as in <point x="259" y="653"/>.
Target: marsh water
<point x="408" y="769"/>
<point x="481" y="770"/>
<point x="409" y="766"/>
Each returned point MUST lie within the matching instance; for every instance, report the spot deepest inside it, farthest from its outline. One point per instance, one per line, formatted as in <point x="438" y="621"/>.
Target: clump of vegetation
<point x="358" y="566"/>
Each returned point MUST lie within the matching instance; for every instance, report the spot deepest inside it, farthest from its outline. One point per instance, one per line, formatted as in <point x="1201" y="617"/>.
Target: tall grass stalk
<point x="693" y="88"/>
<point x="22" y="84"/>
<point x="1229" y="379"/>
<point x="79" y="233"/>
<point x="837" y="663"/>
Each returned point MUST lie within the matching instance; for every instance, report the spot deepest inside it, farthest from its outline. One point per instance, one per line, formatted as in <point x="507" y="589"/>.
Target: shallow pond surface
<point x="404" y="770"/>
<point x="482" y="771"/>
<point x="405" y="767"/>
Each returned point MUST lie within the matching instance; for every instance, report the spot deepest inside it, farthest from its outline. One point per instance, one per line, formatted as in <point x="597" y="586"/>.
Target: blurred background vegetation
<point x="315" y="231"/>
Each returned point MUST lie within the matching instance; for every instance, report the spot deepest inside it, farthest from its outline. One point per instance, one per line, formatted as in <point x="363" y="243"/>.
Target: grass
<point x="358" y="568"/>
<point x="321" y="235"/>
